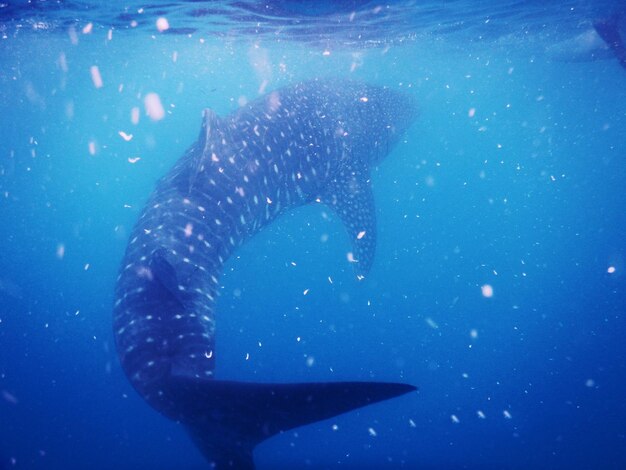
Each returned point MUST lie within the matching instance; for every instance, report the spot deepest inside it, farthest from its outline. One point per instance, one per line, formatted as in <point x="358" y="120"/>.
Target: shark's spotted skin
<point x="313" y="141"/>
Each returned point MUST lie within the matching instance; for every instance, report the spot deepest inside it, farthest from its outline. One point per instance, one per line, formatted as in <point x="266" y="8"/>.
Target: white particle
<point x="487" y="291"/>
<point x="96" y="78"/>
<point x="134" y="115"/>
<point x="188" y="230"/>
<point x="154" y="108"/>
<point x="162" y="24"/>
<point x="125" y="136"/>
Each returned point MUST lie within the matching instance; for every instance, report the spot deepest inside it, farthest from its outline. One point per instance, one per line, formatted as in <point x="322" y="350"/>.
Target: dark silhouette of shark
<point x="313" y="141"/>
<point x="609" y="30"/>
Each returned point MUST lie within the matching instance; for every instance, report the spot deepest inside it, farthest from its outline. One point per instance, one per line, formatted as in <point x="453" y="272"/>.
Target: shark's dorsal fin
<point x="170" y="274"/>
<point x="163" y="271"/>
<point x="350" y="196"/>
<point x="210" y="124"/>
<point x="209" y="134"/>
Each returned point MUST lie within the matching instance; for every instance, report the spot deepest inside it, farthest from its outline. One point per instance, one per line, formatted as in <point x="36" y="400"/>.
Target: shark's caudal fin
<point x="228" y="419"/>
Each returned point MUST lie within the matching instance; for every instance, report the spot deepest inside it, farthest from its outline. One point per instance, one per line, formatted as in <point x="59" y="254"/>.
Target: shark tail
<point x="227" y="419"/>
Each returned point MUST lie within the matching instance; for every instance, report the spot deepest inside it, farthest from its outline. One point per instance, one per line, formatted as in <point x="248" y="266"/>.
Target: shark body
<point x="313" y="141"/>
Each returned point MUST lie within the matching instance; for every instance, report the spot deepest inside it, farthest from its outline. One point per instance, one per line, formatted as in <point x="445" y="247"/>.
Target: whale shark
<point x="314" y="141"/>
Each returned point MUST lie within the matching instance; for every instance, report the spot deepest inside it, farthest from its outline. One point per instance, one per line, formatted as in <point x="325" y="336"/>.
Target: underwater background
<point x="498" y="286"/>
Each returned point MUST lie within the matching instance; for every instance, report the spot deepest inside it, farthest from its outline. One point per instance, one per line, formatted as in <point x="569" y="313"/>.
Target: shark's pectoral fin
<point x="350" y="196"/>
<point x="228" y="419"/>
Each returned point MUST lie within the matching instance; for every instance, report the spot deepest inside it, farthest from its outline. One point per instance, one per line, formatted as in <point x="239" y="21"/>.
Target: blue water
<point x="512" y="177"/>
